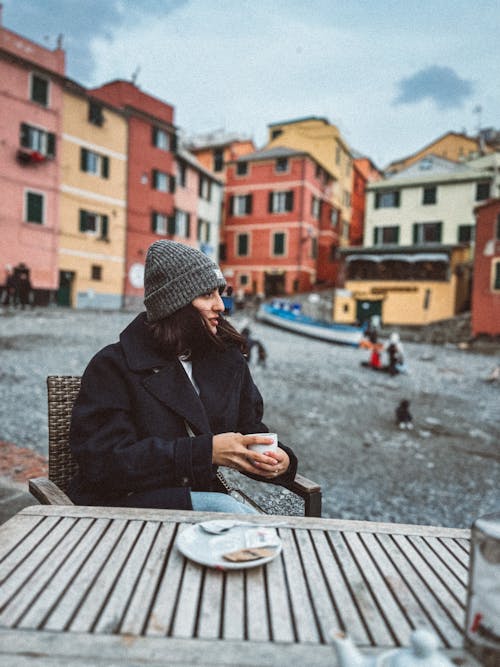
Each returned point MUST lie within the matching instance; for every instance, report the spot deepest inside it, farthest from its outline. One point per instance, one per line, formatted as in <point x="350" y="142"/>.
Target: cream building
<point x="92" y="202"/>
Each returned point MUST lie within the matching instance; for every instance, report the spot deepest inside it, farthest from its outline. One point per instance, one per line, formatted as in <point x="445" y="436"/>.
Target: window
<point x="314" y="247"/>
<point x="334" y="216"/>
<point x="279" y="244"/>
<point x="94" y="224"/>
<point x="497" y="235"/>
<point x="94" y="163"/>
<point x="37" y="140"/>
<point x="204" y="188"/>
<point x="244" y="279"/>
<point x="39" y="92"/>
<point x="315" y="207"/>
<point x="429" y="195"/>
<point x="160" y="139"/>
<point x="387" y="199"/>
<point x="346" y="198"/>
<point x="96" y="272"/>
<point x="385" y="235"/>
<point x="159" y="223"/>
<point x="282" y="164"/>
<point x="280" y="202"/>
<point x="34" y="207"/>
<point x="95" y="115"/>
<point x="163" y="182"/>
<point x="465" y="233"/>
<point x="242" y="245"/>
<point x="218" y="159"/>
<point x="337" y="154"/>
<point x="222" y="252"/>
<point x="182" y="223"/>
<point x="203" y="232"/>
<point x="276" y="133"/>
<point x="240" y="205"/>
<point x="242" y="168"/>
<point x="496" y="275"/>
<point x="181" y="174"/>
<point x="482" y="191"/>
<point x="427" y="232"/>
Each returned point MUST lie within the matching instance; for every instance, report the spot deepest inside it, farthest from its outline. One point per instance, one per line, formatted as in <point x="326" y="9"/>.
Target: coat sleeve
<point x="250" y="421"/>
<point x="113" y="455"/>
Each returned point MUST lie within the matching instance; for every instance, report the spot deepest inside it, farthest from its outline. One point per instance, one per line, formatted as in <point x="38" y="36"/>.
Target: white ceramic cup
<point x="263" y="448"/>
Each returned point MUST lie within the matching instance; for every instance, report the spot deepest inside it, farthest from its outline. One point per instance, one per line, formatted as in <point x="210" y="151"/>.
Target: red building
<point x="485" y="308"/>
<point x="151" y="177"/>
<point x="364" y="171"/>
<point x="280" y="232"/>
<point x="31" y="78"/>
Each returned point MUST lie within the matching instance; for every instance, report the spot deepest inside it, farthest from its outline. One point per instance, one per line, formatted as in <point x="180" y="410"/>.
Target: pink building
<point x="485" y="308"/>
<point x="30" y="125"/>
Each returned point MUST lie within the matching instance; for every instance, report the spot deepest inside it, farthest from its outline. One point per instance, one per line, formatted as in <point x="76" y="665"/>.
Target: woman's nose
<point x="218" y="303"/>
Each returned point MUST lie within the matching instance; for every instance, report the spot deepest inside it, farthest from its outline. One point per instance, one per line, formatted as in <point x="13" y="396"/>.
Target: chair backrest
<point x="62" y="391"/>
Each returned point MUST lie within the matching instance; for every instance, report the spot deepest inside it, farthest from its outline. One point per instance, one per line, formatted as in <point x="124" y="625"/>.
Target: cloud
<point x="442" y="85"/>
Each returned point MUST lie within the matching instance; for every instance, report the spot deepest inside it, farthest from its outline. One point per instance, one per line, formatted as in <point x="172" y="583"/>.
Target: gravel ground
<point x="336" y="414"/>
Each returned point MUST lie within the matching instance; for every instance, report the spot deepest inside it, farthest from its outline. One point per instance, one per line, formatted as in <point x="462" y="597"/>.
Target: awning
<point x="417" y="257"/>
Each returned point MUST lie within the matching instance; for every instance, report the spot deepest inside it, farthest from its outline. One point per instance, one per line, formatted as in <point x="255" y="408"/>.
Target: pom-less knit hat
<point x="175" y="274"/>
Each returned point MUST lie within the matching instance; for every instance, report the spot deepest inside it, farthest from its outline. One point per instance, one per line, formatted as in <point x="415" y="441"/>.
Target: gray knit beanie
<point x="175" y="274"/>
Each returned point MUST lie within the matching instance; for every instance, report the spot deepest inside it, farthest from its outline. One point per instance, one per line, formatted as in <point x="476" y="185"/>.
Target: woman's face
<point x="209" y="305"/>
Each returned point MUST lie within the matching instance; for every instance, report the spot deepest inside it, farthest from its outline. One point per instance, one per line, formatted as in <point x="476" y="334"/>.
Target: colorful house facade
<point x="279" y="223"/>
<point x="364" y="172"/>
<point x="485" y="309"/>
<point x="152" y="143"/>
<point x="93" y="202"/>
<point x="31" y="79"/>
<point x="215" y="149"/>
<point x="323" y="141"/>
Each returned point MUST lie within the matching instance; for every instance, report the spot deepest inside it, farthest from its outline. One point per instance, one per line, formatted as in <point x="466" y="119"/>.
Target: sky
<point x="392" y="75"/>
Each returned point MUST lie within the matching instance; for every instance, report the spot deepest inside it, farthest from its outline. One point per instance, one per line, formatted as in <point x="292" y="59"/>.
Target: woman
<point x="162" y="408"/>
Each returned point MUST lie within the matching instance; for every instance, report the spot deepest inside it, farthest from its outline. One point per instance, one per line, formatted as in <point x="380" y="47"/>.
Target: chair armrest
<point x="310" y="492"/>
<point x="47" y="493"/>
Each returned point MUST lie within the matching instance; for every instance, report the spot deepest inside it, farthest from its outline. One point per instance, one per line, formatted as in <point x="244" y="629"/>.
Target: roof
<point x="215" y="139"/>
<point x="191" y="159"/>
<point x="272" y="153"/>
<point x="299" y="120"/>
<point x="427" y="146"/>
<point x="460" y="174"/>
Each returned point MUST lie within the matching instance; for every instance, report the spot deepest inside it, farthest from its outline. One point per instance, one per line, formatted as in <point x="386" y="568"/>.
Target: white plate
<point x="207" y="549"/>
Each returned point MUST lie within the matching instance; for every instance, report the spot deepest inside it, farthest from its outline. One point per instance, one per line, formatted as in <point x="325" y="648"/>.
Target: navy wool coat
<point x="128" y="430"/>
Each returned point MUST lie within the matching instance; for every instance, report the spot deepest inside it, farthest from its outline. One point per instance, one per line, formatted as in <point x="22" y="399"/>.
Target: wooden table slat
<point x="209" y="618"/>
<point x="282" y="628"/>
<point x="23" y="524"/>
<point x="446" y="563"/>
<point x="33" y="530"/>
<point x="233" y="622"/>
<point x="91" y="606"/>
<point x="33" y="573"/>
<point x="185" y="613"/>
<point x="256" y="609"/>
<point x="346" y="612"/>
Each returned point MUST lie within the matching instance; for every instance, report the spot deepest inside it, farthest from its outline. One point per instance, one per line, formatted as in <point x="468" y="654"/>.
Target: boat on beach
<point x="290" y="317"/>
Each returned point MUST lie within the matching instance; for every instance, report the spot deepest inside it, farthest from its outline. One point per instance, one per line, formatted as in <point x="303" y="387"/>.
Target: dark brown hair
<point x="186" y="333"/>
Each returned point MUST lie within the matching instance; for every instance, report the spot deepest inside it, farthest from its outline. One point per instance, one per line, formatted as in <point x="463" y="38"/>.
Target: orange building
<point x="31" y="79"/>
<point x="152" y="143"/>
<point x="214" y="150"/>
<point x="364" y="171"/>
<point x="452" y="146"/>
<point x="281" y="232"/>
<point x="485" y="310"/>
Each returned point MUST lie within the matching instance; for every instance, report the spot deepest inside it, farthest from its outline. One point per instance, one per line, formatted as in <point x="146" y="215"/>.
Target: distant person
<point x="228" y="301"/>
<point x="24" y="288"/>
<point x="10" y="290"/>
<point x="394" y="350"/>
<point x="404" y="417"/>
<point x="254" y="343"/>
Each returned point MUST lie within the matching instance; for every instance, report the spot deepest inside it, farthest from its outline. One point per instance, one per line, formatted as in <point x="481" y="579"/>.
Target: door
<point x="66" y="279"/>
<point x="366" y="309"/>
<point x="274" y="284"/>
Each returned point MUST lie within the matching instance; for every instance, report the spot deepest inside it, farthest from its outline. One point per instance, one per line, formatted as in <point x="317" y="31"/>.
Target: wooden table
<point x="94" y="586"/>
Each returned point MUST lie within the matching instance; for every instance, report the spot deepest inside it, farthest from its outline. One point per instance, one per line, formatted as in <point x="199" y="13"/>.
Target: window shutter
<point x="396" y="198"/>
<point x="439" y="231"/>
<point x="415" y="232"/>
<point x="153" y="221"/>
<point x="51" y="144"/>
<point x="376" y="231"/>
<point x="171" y="183"/>
<point x="377" y="199"/>
<point x="83" y="220"/>
<point x="105" y="166"/>
<point x="171" y="224"/>
<point x="396" y="240"/>
<point x="270" y="203"/>
<point x="231" y="205"/>
<point x="155" y="179"/>
<point x="83" y="159"/>
<point x="104" y="226"/>
<point x="289" y="201"/>
<point x="248" y="204"/>
<point x="24" y="138"/>
<point x="153" y="136"/>
<point x="173" y="143"/>
<point x="188" y="225"/>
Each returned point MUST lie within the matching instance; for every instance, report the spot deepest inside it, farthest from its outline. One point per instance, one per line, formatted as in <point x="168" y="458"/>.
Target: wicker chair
<point x="62" y="391"/>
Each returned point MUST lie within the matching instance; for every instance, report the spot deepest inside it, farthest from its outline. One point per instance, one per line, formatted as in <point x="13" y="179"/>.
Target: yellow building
<point x="92" y="202"/>
<point x="451" y="146"/>
<point x="413" y="286"/>
<point x="324" y="143"/>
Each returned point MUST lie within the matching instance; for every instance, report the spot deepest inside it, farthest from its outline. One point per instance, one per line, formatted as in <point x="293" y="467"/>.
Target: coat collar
<point x="215" y="374"/>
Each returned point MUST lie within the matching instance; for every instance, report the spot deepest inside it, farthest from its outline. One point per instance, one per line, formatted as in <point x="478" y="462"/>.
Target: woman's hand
<point x="231" y="450"/>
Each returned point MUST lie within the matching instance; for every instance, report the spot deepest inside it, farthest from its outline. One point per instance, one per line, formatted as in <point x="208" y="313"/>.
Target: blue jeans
<point x="209" y="501"/>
